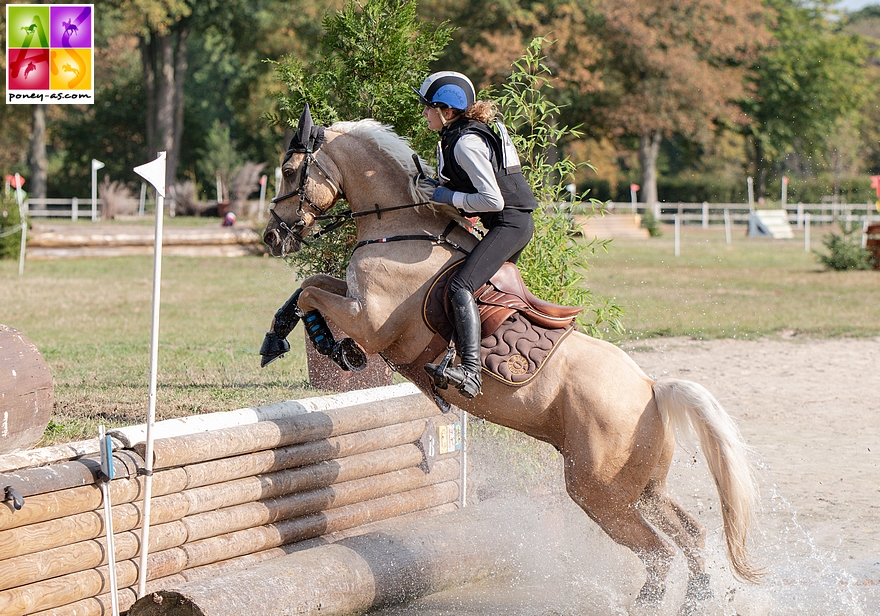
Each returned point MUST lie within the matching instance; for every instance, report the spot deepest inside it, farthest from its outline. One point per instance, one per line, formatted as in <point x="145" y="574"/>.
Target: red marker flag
<point x="875" y="183"/>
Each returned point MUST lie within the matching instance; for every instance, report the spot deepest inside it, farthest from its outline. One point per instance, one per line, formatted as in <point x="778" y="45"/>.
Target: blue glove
<point x="442" y="195"/>
<point x="432" y="181"/>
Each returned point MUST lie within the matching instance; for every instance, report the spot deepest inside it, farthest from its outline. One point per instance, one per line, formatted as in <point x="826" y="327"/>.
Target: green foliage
<point x="10" y="226"/>
<point x="553" y="264"/>
<point x="845" y="250"/>
<point x="329" y="254"/>
<point x="219" y="157"/>
<point x="531" y="117"/>
<point x="553" y="267"/>
<point x="372" y="54"/>
<point x="650" y="222"/>
<point x="813" y="72"/>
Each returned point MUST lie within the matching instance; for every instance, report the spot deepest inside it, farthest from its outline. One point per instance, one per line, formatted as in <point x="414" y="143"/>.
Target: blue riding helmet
<point x="447" y="89"/>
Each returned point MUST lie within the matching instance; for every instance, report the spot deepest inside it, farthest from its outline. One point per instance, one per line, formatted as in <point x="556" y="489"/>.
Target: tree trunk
<point x="164" y="60"/>
<point x="148" y="62"/>
<point x="180" y="66"/>
<point x="165" y="101"/>
<point x="649" y="148"/>
<point x="37" y="155"/>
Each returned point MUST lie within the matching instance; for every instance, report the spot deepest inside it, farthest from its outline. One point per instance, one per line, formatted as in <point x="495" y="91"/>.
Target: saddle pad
<point x="518" y="349"/>
<point x="513" y="349"/>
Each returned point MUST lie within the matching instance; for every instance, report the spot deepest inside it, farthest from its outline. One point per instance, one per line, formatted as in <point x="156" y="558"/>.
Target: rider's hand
<point x="432" y="181"/>
<point x="442" y="195"/>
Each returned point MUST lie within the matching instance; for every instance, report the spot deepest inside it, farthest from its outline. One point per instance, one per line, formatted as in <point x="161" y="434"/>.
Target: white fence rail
<point x="707" y="214"/>
<point x="63" y="208"/>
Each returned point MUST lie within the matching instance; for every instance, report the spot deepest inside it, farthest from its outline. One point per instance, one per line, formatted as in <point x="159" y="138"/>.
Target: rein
<point x="338" y="219"/>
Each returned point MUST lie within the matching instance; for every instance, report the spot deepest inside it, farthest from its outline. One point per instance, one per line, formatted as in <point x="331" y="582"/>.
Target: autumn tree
<point x="673" y="67"/>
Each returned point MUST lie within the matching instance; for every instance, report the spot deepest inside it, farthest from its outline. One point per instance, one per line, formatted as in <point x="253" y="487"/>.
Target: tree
<point x="803" y="84"/>
<point x="372" y="54"/>
<point x="370" y="57"/>
<point x="673" y="67"/>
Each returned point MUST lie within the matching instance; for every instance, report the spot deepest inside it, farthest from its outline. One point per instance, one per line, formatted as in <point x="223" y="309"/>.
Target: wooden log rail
<point x="222" y="499"/>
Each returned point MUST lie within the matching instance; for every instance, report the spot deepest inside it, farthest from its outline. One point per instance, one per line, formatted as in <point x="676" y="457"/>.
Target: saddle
<point x="519" y="330"/>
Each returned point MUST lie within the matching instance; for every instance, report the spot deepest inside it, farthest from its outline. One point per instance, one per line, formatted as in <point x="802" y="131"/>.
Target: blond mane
<point x="392" y="145"/>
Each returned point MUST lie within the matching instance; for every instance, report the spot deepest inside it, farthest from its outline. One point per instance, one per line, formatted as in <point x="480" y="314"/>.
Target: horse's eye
<point x="288" y="172"/>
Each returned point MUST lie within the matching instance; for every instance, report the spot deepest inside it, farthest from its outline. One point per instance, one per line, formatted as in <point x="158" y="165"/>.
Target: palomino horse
<point x="613" y="425"/>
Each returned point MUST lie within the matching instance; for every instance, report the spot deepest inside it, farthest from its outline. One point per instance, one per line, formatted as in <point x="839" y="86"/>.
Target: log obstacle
<point x="356" y="574"/>
<point x="26" y="393"/>
<point x="266" y="482"/>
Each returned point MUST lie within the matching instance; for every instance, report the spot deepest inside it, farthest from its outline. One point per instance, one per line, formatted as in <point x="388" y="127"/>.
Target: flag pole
<point x="154" y="173"/>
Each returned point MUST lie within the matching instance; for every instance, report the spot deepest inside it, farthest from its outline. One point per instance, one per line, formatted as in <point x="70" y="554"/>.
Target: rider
<point x="480" y="175"/>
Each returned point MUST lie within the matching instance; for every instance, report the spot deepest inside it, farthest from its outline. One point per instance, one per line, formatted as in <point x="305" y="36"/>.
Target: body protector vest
<point x="505" y="161"/>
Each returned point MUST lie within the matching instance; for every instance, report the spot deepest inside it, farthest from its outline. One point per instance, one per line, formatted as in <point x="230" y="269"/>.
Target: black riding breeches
<point x="508" y="233"/>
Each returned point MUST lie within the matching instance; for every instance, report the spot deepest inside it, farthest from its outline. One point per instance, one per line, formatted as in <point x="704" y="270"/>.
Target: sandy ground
<point x="811" y="413"/>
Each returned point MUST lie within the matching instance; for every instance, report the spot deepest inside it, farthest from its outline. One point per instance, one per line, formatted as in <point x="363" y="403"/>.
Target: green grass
<point x="91" y="318"/>
<point x="91" y="321"/>
<point x="750" y="288"/>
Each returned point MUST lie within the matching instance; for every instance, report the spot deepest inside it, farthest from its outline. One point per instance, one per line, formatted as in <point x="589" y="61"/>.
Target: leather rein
<point x="343" y="217"/>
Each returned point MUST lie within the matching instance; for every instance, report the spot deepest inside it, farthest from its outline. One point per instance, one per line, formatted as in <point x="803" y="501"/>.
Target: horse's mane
<point x="392" y="145"/>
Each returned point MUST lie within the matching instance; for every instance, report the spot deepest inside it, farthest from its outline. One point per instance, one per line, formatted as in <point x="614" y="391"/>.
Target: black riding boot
<point x="465" y="376"/>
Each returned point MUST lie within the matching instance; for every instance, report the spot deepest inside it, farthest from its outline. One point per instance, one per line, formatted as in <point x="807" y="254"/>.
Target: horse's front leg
<point x="326" y="282"/>
<point x="347" y="313"/>
<point x="287" y="317"/>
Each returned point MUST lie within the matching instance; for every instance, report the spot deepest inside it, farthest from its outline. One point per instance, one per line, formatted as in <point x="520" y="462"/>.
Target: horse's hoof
<point x="698" y="592"/>
<point x="651" y="595"/>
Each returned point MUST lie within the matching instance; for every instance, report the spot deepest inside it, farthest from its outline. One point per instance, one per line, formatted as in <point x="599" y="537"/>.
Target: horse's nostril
<point x="271" y="237"/>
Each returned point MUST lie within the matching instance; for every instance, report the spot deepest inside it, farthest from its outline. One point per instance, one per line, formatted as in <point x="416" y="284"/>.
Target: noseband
<point x="300" y="191"/>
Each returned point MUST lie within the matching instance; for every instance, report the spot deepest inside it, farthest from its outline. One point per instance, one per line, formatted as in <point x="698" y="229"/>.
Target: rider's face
<point x="432" y="115"/>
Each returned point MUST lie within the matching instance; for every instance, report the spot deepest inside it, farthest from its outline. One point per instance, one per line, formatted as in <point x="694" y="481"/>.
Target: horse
<point x="613" y="425"/>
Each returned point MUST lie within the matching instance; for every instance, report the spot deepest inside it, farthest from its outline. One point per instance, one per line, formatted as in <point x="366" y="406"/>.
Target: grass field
<point x="90" y="318"/>
<point x="752" y="287"/>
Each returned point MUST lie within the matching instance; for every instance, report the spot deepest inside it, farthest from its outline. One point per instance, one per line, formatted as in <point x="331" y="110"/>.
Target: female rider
<point x="480" y="175"/>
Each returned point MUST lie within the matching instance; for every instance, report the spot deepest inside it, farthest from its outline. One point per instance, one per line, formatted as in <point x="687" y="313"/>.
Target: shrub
<point x="845" y="250"/>
<point x="649" y="222"/>
<point x="553" y="264"/>
<point x="10" y="227"/>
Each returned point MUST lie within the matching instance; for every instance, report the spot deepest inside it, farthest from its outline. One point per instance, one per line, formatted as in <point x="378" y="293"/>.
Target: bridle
<point x="304" y="200"/>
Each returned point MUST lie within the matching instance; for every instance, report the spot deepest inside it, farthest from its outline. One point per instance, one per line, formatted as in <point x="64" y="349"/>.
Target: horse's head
<point x="307" y="189"/>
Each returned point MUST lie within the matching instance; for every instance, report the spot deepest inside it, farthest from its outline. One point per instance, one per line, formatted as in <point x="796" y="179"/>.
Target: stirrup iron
<point x="438" y="371"/>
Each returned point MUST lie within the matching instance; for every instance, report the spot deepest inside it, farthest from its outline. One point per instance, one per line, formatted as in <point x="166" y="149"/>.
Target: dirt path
<point x="811" y="412"/>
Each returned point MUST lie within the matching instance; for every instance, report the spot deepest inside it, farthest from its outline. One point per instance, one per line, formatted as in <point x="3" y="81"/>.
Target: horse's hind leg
<point x="688" y="534"/>
<point x="623" y="522"/>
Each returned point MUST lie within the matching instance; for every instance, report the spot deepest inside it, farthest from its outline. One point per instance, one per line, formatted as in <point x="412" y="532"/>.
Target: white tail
<point x="690" y="407"/>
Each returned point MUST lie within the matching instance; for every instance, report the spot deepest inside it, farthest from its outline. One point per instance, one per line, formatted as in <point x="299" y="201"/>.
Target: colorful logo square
<point x="50" y="54"/>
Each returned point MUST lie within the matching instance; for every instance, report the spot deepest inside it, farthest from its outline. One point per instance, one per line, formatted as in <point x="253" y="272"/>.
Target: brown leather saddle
<point x="520" y="331"/>
<point x="504" y="295"/>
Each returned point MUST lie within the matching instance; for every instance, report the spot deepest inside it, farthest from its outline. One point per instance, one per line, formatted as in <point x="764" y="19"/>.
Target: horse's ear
<point x="304" y="128"/>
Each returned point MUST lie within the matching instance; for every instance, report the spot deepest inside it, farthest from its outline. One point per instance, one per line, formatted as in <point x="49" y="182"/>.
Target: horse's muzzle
<point x="280" y="244"/>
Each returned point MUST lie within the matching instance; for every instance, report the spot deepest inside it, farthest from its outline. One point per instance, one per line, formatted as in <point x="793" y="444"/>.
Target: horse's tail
<point x="689" y="405"/>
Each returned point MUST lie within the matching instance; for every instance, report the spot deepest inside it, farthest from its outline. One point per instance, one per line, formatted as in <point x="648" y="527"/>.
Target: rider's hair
<point x="482" y="111"/>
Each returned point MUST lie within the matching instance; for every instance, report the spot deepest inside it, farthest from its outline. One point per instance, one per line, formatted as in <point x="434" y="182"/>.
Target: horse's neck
<point x="373" y="180"/>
